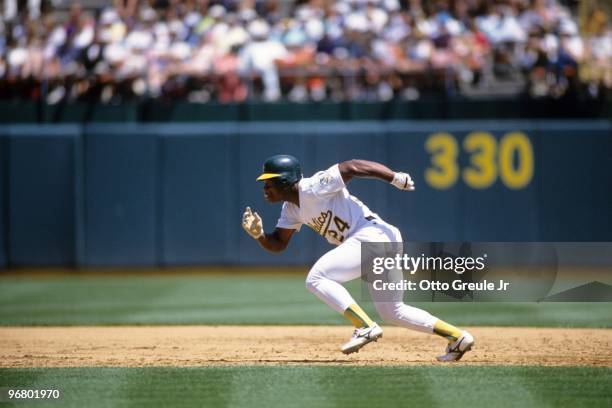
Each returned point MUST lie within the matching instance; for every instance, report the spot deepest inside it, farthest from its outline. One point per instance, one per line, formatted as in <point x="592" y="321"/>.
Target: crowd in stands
<point x="347" y="50"/>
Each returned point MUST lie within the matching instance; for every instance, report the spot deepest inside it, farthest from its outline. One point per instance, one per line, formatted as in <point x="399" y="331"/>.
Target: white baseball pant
<point x="343" y="264"/>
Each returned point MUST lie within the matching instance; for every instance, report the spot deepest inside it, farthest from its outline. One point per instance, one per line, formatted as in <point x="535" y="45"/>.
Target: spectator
<point x="260" y="56"/>
<point x="308" y="50"/>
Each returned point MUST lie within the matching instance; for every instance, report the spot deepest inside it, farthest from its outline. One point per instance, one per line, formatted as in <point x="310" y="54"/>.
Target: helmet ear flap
<point x="283" y="182"/>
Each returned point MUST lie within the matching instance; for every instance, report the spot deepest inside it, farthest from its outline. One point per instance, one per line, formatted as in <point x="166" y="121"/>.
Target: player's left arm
<point x="369" y="169"/>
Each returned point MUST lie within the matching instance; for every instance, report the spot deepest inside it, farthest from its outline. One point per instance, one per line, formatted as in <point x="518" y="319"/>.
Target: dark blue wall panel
<point x="575" y="187"/>
<point x="121" y="196"/>
<point x="482" y="209"/>
<point x="424" y="214"/>
<point x="42" y="195"/>
<point x="197" y="189"/>
<point x="174" y="194"/>
<point x="3" y="198"/>
<point x="460" y="211"/>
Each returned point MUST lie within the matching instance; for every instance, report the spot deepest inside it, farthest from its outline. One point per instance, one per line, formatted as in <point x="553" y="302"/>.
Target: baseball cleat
<point x="456" y="349"/>
<point x="361" y="337"/>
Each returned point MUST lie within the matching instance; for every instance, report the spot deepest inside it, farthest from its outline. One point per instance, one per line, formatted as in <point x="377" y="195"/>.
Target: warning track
<point x="144" y="346"/>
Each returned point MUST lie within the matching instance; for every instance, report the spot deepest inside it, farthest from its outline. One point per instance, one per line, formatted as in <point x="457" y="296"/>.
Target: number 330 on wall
<point x="511" y="159"/>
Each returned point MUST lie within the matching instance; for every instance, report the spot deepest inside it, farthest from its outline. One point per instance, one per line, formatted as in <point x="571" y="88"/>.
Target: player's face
<point x="272" y="193"/>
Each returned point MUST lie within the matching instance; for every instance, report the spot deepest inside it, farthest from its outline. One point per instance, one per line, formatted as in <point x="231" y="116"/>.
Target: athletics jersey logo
<point x="321" y="225"/>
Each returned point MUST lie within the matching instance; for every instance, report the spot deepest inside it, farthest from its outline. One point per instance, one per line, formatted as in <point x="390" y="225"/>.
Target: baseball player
<point x="323" y="203"/>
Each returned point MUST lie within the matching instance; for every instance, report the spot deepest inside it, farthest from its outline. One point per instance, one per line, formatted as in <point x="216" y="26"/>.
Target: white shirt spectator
<point x="501" y="28"/>
<point x="139" y="39"/>
<point x="378" y="19"/>
<point x="260" y="55"/>
<point x="85" y="37"/>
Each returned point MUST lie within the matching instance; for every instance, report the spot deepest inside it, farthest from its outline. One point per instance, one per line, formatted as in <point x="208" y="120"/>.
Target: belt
<point x="370" y="218"/>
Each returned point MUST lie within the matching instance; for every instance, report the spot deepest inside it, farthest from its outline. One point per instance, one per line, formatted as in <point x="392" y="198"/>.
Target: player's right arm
<point x="276" y="241"/>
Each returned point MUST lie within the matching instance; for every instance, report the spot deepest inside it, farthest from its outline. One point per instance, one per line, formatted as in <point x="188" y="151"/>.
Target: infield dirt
<point x="144" y="346"/>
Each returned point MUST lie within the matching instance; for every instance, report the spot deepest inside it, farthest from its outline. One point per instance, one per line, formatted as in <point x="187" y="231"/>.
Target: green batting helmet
<point x="282" y="167"/>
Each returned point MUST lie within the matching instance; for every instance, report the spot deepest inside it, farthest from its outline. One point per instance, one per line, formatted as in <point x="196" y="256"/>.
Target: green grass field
<point x="315" y="386"/>
<point x="243" y="299"/>
<point x="206" y="299"/>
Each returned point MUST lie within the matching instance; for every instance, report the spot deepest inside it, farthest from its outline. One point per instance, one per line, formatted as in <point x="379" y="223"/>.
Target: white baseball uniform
<point x="327" y="207"/>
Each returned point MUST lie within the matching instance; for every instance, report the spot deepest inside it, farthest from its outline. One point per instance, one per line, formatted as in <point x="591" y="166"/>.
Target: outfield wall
<point x="172" y="194"/>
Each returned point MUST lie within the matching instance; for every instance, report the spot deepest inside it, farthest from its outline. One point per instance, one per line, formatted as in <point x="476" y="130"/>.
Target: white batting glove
<point x="252" y="224"/>
<point x="403" y="181"/>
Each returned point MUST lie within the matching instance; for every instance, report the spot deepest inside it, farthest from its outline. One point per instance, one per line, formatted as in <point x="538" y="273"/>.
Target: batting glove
<point x="252" y="224"/>
<point x="403" y="181"/>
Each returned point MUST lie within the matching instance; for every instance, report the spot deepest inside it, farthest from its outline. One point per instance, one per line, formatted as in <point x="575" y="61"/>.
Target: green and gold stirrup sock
<point x="357" y="316"/>
<point x="448" y="331"/>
